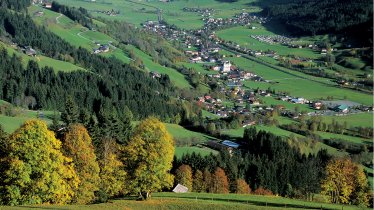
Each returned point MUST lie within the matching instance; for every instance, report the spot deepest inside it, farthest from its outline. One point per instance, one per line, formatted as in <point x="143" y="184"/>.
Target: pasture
<point x="43" y="61"/>
<point x="137" y="12"/>
<point x="203" y="201"/>
<point x="296" y="86"/>
<point x="242" y="36"/>
<point x="177" y="78"/>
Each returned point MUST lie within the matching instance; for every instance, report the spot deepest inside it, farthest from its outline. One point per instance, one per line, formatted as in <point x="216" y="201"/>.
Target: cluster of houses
<point x="111" y="12"/>
<point x="204" y="12"/>
<point x="239" y="19"/>
<point x="273" y="39"/>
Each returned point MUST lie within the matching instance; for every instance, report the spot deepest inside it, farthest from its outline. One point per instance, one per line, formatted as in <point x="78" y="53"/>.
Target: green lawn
<point x="347" y="138"/>
<point x="185" y="136"/>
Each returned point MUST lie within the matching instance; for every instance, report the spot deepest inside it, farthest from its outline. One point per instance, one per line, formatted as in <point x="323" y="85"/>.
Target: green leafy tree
<point x="36" y="169"/>
<point x="78" y="146"/>
<point x="148" y="157"/>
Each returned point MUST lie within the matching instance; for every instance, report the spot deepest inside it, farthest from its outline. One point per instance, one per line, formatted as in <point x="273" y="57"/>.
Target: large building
<point x="226" y="67"/>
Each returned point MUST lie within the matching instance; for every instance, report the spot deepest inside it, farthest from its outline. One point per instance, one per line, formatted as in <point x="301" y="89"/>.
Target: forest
<point x="324" y="16"/>
<point x="108" y="81"/>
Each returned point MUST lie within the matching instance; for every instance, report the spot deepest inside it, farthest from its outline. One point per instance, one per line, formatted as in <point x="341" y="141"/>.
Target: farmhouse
<point x="341" y="108"/>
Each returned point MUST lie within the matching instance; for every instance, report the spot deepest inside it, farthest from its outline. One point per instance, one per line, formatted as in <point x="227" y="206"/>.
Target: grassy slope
<point x="10" y="124"/>
<point x="43" y="61"/>
<point x="172" y="11"/>
<point x="174" y="75"/>
<point x="198" y="201"/>
<point x="297" y="86"/>
<point x="242" y="36"/>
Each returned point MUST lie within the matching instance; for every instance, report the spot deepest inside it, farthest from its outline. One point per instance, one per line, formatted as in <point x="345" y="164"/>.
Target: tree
<point x="242" y="187"/>
<point x="112" y="174"/>
<point x="183" y="176"/>
<point x="148" y="157"/>
<point x="78" y="146"/>
<point x="36" y="170"/>
<point x="207" y="177"/>
<point x="70" y="114"/>
<point x="220" y="183"/>
<point x="345" y="182"/>
<point x="198" y="182"/>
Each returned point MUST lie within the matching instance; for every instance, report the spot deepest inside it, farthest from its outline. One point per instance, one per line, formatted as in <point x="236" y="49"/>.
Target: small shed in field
<point x="180" y="189"/>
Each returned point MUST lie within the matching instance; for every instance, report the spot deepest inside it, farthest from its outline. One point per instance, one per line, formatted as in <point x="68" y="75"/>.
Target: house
<point x="30" y="51"/>
<point x="248" y="123"/>
<point x="180" y="189"/>
<point x="231" y="144"/>
<point x="341" y="108"/>
<point x="48" y="5"/>
<point x="298" y="100"/>
<point x="104" y="48"/>
<point x="317" y="105"/>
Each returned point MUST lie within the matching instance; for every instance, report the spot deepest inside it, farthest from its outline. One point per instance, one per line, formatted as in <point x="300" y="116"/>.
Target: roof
<point x="180" y="189"/>
<point x="231" y="144"/>
<point x="341" y="107"/>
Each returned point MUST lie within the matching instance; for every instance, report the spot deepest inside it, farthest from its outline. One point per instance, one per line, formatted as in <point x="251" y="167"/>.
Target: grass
<point x="203" y="201"/>
<point x="353" y="120"/>
<point x="180" y="151"/>
<point x="186" y="136"/>
<point x="43" y="61"/>
<point x="74" y="33"/>
<point x="351" y="139"/>
<point x="177" y="78"/>
<point x="296" y="86"/>
<point x="10" y="124"/>
<point x="242" y="36"/>
<point x="137" y="12"/>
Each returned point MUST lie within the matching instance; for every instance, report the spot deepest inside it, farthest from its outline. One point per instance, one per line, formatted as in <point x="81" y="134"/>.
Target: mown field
<point x="10" y="124"/>
<point x="137" y="12"/>
<point x="203" y="201"/>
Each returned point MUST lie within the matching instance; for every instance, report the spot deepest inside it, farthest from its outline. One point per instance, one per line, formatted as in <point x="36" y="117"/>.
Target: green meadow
<point x="177" y="78"/>
<point x="43" y="61"/>
<point x="137" y="12"/>
<point x="242" y="36"/>
<point x="203" y="201"/>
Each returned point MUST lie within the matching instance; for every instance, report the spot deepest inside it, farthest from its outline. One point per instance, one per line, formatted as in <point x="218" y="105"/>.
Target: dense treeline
<point x="326" y="16"/>
<point x="110" y="81"/>
<point x="79" y="15"/>
<point x="266" y="164"/>
<point x="17" y="5"/>
<point x="267" y="161"/>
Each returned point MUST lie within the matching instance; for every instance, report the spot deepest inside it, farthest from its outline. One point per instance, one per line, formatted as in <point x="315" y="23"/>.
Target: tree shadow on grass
<point x="256" y="203"/>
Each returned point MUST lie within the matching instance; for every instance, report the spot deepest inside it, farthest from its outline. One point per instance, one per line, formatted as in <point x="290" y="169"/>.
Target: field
<point x="10" y="124"/>
<point x="202" y="201"/>
<point x="354" y="120"/>
<point x="137" y="12"/>
<point x="43" y="61"/>
<point x="242" y="36"/>
<point x="296" y="86"/>
<point x="74" y="33"/>
<point x="176" y="77"/>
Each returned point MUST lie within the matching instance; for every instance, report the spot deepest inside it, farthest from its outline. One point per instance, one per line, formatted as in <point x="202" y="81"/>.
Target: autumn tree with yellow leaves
<point x="183" y="176"/>
<point x="36" y="169"/>
<point x="112" y="174"/>
<point x="77" y="144"/>
<point x="345" y="183"/>
<point x="148" y="157"/>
